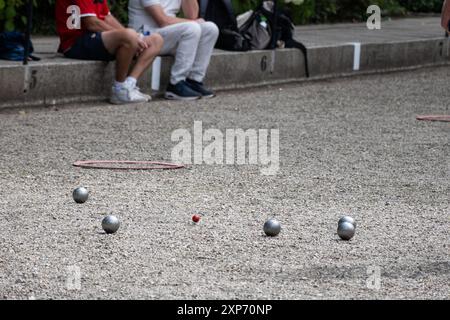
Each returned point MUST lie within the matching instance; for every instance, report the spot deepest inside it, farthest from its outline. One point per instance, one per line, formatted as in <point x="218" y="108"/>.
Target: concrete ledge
<point x="404" y="54"/>
<point x="54" y="82"/>
<point x="57" y="80"/>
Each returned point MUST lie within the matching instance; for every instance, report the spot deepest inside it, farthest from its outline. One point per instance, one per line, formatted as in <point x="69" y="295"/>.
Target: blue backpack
<point x="12" y="46"/>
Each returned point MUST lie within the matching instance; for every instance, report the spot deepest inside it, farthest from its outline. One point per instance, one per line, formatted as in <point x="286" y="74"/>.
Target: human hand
<point x="142" y="45"/>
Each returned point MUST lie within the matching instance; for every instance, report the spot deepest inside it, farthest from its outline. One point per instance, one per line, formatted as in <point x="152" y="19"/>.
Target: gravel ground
<point x="347" y="146"/>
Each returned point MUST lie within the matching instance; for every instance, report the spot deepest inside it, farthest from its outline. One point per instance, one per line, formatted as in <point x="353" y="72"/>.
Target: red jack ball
<point x="196" y="218"/>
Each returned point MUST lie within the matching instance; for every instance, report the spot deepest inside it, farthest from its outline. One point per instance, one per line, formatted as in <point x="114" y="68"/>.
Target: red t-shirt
<point x="68" y="36"/>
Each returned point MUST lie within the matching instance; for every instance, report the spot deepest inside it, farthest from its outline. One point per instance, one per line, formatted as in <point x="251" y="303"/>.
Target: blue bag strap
<point x="203" y="7"/>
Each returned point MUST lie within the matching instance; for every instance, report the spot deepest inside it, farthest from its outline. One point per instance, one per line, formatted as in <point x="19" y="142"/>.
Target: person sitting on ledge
<point x="88" y="31"/>
<point x="190" y="40"/>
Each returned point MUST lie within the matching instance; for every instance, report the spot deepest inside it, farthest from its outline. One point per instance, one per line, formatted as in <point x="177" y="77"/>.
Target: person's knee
<point x="192" y="29"/>
<point x="129" y="37"/>
<point x="156" y="41"/>
<point x="210" y="28"/>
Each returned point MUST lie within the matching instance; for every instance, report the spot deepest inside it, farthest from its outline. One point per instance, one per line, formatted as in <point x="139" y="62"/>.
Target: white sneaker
<point x="146" y="96"/>
<point x="126" y="95"/>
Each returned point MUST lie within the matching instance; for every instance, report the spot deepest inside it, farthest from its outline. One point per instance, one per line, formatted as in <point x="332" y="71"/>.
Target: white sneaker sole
<point x="209" y="96"/>
<point x="173" y="96"/>
<point x="114" y="100"/>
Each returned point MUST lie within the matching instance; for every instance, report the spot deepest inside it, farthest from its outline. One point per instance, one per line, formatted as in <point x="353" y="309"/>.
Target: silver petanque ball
<point x="80" y="195"/>
<point x="346" y="230"/>
<point x="110" y="224"/>
<point x="272" y="227"/>
<point x="347" y="219"/>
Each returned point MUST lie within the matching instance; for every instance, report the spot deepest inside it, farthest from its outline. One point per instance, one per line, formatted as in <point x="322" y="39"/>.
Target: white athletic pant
<point x="192" y="45"/>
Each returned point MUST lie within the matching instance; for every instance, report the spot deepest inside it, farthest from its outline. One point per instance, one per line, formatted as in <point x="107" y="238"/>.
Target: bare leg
<point x="145" y="59"/>
<point x="123" y="43"/>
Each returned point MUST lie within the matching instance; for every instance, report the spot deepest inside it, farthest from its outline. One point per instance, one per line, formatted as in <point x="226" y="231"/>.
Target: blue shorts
<point x="89" y="46"/>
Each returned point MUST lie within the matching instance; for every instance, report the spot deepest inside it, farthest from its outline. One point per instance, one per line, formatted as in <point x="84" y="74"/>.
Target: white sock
<point x="130" y="82"/>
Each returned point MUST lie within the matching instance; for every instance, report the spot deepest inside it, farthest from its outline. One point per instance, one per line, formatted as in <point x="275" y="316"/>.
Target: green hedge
<point x="12" y="12"/>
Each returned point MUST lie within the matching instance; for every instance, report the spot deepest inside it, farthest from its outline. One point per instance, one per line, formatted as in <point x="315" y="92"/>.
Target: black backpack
<point x="251" y="35"/>
<point x="12" y="46"/>
<point x="222" y="14"/>
<point x="282" y="28"/>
